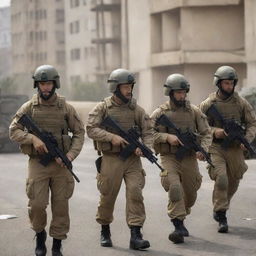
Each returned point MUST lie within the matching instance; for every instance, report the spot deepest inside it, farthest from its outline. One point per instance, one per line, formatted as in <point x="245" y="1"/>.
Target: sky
<point x="4" y="3"/>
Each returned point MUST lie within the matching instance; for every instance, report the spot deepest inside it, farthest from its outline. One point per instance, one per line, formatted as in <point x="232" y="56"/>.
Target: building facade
<point x="5" y="43"/>
<point x="38" y="37"/>
<point x="192" y="37"/>
<point x="81" y="56"/>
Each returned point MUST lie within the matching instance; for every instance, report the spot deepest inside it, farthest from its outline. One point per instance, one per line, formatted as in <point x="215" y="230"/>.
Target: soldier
<point x="123" y="109"/>
<point x="53" y="114"/>
<point x="181" y="178"/>
<point x="229" y="164"/>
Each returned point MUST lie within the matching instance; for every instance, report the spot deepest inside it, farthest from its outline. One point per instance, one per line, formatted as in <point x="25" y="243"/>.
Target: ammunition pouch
<point x="165" y="148"/>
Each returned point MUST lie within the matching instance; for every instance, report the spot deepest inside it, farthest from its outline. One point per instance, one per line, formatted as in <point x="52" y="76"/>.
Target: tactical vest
<point x="229" y="110"/>
<point x="183" y="118"/>
<point x="124" y="115"/>
<point x="50" y="118"/>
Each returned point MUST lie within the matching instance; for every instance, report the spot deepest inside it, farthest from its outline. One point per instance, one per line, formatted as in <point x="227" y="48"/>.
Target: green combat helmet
<point x="175" y="82"/>
<point x="120" y="76"/>
<point x="46" y="73"/>
<point x="225" y="73"/>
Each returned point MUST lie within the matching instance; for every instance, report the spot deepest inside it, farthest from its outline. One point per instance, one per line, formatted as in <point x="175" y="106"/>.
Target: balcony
<point x="166" y="5"/>
<point x="196" y="57"/>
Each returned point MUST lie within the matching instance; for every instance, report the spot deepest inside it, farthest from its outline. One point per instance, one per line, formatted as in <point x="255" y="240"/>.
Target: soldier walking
<point x="122" y="107"/>
<point x="229" y="162"/>
<point x="53" y="114"/>
<point x="181" y="178"/>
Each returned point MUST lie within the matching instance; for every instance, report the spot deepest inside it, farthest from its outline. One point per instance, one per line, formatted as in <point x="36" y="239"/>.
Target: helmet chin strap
<point x="46" y="97"/>
<point x="118" y="94"/>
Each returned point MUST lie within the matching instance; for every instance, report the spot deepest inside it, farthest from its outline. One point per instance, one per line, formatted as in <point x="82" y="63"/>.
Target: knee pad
<point x="222" y="182"/>
<point x="175" y="193"/>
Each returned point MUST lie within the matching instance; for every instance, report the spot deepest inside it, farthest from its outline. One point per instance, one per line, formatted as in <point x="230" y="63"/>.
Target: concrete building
<point x="192" y="37"/>
<point x="5" y="43"/>
<point x="37" y="37"/>
<point x="107" y="36"/>
<point x="80" y="24"/>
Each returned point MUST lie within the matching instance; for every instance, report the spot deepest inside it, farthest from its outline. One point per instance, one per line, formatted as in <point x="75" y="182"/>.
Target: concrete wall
<point x="250" y="39"/>
<point x="139" y="50"/>
<point x="215" y="28"/>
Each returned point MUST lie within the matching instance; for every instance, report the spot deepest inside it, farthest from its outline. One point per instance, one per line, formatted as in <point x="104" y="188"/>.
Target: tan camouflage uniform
<point x="229" y="164"/>
<point x="182" y="178"/>
<point x="58" y="117"/>
<point x="113" y="169"/>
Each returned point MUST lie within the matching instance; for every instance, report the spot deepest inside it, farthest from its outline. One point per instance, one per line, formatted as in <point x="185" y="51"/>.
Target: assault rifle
<point x="50" y="143"/>
<point x="132" y="137"/>
<point x="187" y="138"/>
<point x="232" y="128"/>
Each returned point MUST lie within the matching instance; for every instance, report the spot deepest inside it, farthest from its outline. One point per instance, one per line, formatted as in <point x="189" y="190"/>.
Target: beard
<point x="121" y="96"/>
<point x="46" y="97"/>
<point x="178" y="103"/>
<point x="225" y="93"/>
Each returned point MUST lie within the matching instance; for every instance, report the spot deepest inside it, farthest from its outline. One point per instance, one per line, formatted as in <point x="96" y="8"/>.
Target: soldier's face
<point x="180" y="95"/>
<point x="46" y="87"/>
<point x="227" y="85"/>
<point x="126" y="90"/>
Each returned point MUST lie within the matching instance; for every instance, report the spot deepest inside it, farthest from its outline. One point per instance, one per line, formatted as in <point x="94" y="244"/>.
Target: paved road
<point x="16" y="238"/>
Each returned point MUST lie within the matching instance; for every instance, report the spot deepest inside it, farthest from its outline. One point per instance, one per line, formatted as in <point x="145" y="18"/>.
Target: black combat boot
<point x="56" y="247"/>
<point x="222" y="219"/>
<point x="136" y="241"/>
<point x="40" y="243"/>
<point x="177" y="236"/>
<point x="216" y="217"/>
<point x="184" y="229"/>
<point x="105" y="238"/>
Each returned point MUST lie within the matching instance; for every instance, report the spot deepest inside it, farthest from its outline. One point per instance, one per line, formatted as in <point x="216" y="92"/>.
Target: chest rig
<point x="124" y="115"/>
<point x="183" y="118"/>
<point x="229" y="109"/>
<point x="51" y="118"/>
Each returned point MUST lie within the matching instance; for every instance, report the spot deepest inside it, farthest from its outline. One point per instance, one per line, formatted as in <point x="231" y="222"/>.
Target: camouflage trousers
<point x="229" y="169"/>
<point x="113" y="172"/>
<point x="181" y="180"/>
<point x="43" y="181"/>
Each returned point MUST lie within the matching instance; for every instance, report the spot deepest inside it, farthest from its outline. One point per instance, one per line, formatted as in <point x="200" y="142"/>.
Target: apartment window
<point x="31" y="35"/>
<point x="74" y="27"/>
<point x="75" y="54"/>
<point x="77" y="26"/>
<point x="60" y="15"/>
<point x="85" y="52"/>
<point x="60" y="57"/>
<point x="60" y="37"/>
<point x="74" y="3"/>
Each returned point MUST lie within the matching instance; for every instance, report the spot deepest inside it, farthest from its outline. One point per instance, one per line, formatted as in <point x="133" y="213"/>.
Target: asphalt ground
<point x="16" y="237"/>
